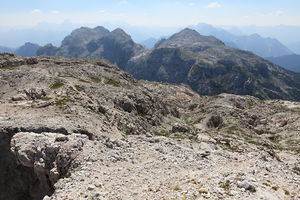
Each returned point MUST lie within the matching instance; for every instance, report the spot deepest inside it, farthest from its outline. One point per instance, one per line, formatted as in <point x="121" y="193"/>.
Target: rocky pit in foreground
<point x="81" y="129"/>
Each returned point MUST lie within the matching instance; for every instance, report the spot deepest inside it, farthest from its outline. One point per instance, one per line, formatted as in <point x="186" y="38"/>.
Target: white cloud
<point x="124" y="2"/>
<point x="213" y="5"/>
<point x="54" y="12"/>
<point x="177" y="3"/>
<point x="191" y="4"/>
<point x="101" y="11"/>
<point x="36" y="11"/>
<point x="279" y="13"/>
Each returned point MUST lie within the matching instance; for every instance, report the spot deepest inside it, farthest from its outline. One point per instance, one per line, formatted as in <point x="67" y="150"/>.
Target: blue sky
<point x="151" y="12"/>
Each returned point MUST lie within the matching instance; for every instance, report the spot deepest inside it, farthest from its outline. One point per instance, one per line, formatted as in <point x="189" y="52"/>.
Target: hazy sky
<point x="151" y="12"/>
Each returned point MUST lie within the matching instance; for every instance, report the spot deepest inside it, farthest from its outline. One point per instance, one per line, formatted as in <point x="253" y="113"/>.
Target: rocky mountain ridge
<point x="115" y="46"/>
<point x="203" y="62"/>
<point x="290" y="62"/>
<point x="28" y="49"/>
<point x="211" y="68"/>
<point x="84" y="129"/>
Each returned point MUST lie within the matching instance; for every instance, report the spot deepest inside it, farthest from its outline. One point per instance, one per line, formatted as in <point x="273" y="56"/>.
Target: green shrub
<point x="96" y="80"/>
<point x="8" y="67"/>
<point x="84" y="81"/>
<point x="78" y="88"/>
<point x="112" y="82"/>
<point x="56" y="85"/>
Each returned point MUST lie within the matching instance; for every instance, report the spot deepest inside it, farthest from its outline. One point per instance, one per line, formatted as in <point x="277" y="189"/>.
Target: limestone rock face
<point x="48" y="154"/>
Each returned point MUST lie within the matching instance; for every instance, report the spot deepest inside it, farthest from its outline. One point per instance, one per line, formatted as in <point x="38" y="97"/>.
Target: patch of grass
<point x="177" y="188"/>
<point x="161" y="133"/>
<point x="42" y="78"/>
<point x="189" y="122"/>
<point x="112" y="82"/>
<point x="233" y="148"/>
<point x="276" y="187"/>
<point x="144" y="92"/>
<point x="233" y="129"/>
<point x="84" y="81"/>
<point x="96" y="80"/>
<point x="62" y="102"/>
<point x="56" y="85"/>
<point x="8" y="67"/>
<point x="71" y="88"/>
<point x="79" y="88"/>
<point x="267" y="184"/>
<point x="275" y="139"/>
<point x="46" y="98"/>
<point x="142" y="115"/>
<point x="226" y="186"/>
<point x="195" y="181"/>
<point x="286" y="192"/>
<point x="250" y="104"/>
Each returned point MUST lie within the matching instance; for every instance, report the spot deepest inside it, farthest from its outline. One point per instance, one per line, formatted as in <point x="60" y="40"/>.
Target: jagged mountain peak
<point x="189" y="39"/>
<point x="84" y="35"/>
<point x="120" y="33"/>
<point x="188" y="31"/>
<point x="101" y="29"/>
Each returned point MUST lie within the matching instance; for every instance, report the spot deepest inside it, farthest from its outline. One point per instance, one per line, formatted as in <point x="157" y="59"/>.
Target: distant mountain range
<point x="5" y="49"/>
<point x="290" y="62"/>
<point x="295" y="47"/>
<point x="284" y="33"/>
<point x="264" y="47"/>
<point x="27" y="50"/>
<point x="203" y="62"/>
<point x="149" y="43"/>
<point x="44" y="33"/>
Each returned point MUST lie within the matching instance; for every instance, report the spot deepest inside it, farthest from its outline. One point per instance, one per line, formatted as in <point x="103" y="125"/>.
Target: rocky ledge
<point x="81" y="129"/>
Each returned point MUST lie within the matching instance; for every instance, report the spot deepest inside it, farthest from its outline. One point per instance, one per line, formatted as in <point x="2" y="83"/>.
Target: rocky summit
<point x="84" y="129"/>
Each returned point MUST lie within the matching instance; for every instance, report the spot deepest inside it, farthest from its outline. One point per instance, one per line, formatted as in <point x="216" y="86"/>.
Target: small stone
<point x="246" y="185"/>
<point x="91" y="187"/>
<point x="61" y="139"/>
<point x="203" y="191"/>
<point x="19" y="97"/>
<point x="46" y="198"/>
<point x="148" y="134"/>
<point x="98" y="185"/>
<point x="205" y="154"/>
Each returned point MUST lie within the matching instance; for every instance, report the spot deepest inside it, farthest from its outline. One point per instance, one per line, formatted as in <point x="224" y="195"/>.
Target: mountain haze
<point x="27" y="50"/>
<point x="264" y="47"/>
<point x="5" y="49"/>
<point x="290" y="62"/>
